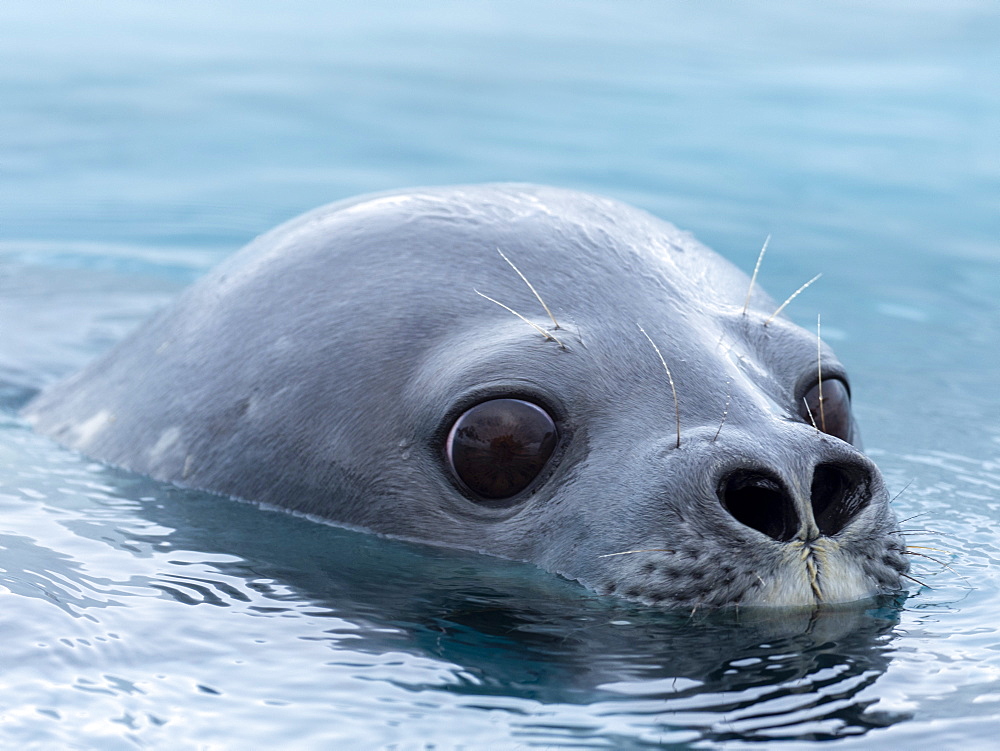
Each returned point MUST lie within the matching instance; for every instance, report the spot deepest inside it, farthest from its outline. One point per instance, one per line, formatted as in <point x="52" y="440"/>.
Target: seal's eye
<point x="833" y="414"/>
<point x="497" y="448"/>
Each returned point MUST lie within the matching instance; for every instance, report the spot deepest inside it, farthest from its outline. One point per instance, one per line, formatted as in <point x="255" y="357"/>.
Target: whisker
<point x="725" y="411"/>
<point x="914" y="579"/>
<point x="902" y="491"/>
<point x="753" y="279"/>
<point x="533" y="325"/>
<point x="673" y="390"/>
<point x="530" y="286"/>
<point x="910" y="518"/>
<point x="810" y="413"/>
<point x="791" y="297"/>
<point x="940" y="563"/>
<point x="910" y="548"/>
<point x="645" y="550"/>
<point x="819" y="374"/>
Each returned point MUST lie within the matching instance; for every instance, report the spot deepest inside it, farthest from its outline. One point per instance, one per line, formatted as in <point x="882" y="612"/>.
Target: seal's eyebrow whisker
<point x="756" y="268"/>
<point x="673" y="390"/>
<point x="725" y="412"/>
<point x="791" y="297"/>
<point x="819" y="375"/>
<point x="534" y="291"/>
<point x="810" y="413"/>
<point x="533" y="325"/>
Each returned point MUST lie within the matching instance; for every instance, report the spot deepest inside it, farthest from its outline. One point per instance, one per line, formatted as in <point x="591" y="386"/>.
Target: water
<point x="140" y="143"/>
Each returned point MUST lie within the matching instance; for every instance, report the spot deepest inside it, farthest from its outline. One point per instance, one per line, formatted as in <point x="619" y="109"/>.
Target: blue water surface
<point x="142" y="142"/>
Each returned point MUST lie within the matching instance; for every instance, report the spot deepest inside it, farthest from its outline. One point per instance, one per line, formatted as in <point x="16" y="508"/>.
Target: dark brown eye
<point x="832" y="413"/>
<point x="497" y="448"/>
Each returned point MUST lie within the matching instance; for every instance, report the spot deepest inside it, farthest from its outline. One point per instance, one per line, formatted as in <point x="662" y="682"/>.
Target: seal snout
<point x="762" y="501"/>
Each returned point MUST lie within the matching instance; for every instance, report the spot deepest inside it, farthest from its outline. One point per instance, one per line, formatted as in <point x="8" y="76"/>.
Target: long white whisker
<point x="630" y="552"/>
<point x="533" y="325"/>
<point x="530" y="286"/>
<point x="819" y="374"/>
<point x="791" y="297"/>
<point x="673" y="390"/>
<point x="753" y="279"/>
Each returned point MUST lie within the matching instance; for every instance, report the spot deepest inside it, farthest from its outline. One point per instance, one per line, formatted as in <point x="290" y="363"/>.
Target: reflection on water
<point x="443" y="627"/>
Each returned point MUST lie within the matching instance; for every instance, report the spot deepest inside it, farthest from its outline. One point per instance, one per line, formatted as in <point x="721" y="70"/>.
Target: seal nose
<point x="760" y="500"/>
<point x="838" y="493"/>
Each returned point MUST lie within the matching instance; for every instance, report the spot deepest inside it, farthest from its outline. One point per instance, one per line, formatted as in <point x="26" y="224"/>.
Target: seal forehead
<point x="439" y="240"/>
<point x="481" y="204"/>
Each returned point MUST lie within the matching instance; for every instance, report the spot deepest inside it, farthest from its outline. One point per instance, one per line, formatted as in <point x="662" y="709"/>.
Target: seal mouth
<point x="818" y="572"/>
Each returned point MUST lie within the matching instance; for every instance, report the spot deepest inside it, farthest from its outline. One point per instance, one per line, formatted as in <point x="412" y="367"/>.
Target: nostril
<point x="839" y="493"/>
<point x="759" y="501"/>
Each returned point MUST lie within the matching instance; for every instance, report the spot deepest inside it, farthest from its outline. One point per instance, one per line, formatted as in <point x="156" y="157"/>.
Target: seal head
<point x="344" y="366"/>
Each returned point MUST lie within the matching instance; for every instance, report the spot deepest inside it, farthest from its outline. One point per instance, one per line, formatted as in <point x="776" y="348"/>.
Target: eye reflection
<point x="497" y="448"/>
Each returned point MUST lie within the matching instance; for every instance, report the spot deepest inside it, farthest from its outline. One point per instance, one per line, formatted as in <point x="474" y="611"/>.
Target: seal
<point x="661" y="436"/>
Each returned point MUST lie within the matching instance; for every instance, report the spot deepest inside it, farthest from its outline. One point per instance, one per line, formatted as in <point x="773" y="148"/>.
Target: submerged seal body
<point x="364" y="363"/>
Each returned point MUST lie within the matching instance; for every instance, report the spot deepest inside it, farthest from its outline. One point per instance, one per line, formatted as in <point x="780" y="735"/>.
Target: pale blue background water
<point x="142" y="142"/>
